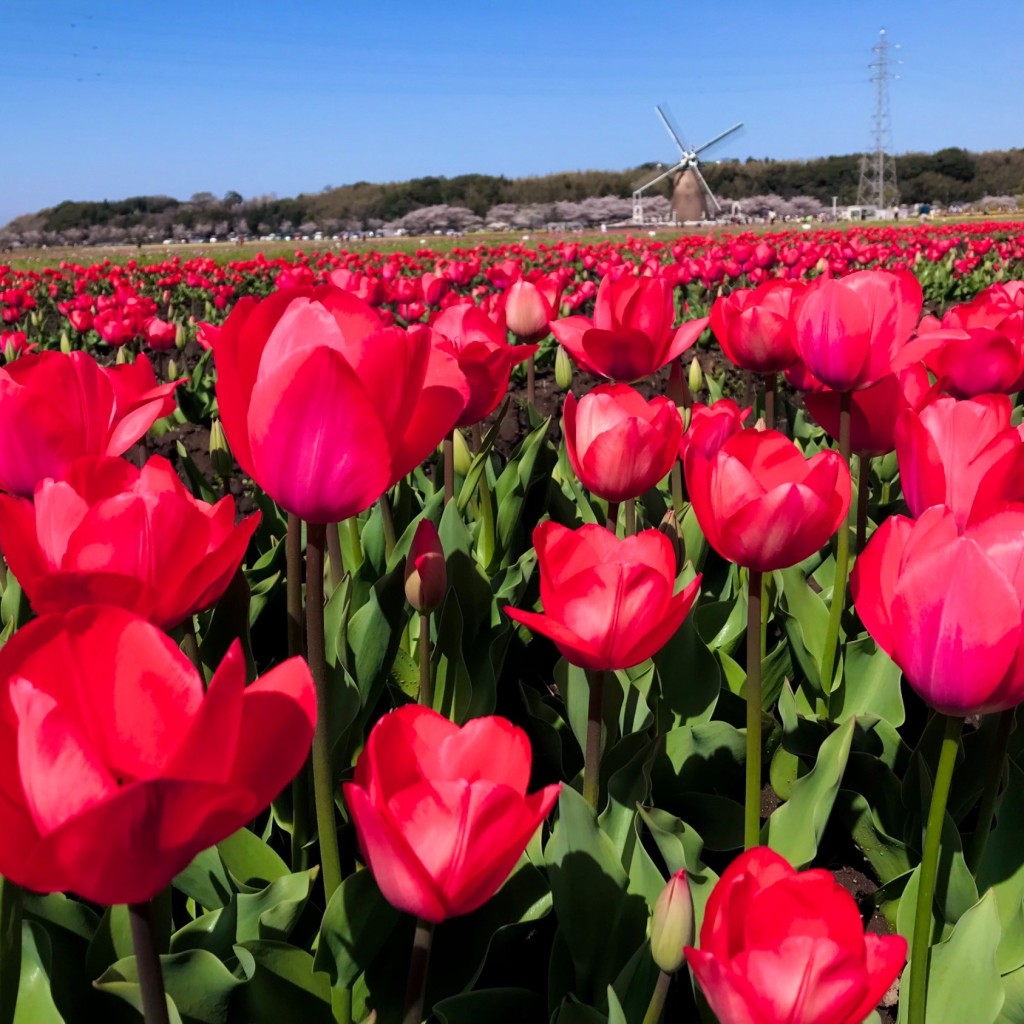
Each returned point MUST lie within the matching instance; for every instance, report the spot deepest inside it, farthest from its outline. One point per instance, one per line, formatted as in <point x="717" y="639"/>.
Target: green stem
<point x="387" y="521"/>
<point x="190" y="645"/>
<point x="863" y="487"/>
<point x="449" y="469"/>
<point x="416" y="988"/>
<point x="323" y="789"/>
<point x="531" y="377"/>
<point x="613" y="516"/>
<point x="676" y="480"/>
<point x="426" y="675"/>
<point x="334" y="557"/>
<point x="752" y="802"/>
<point x="769" y="400"/>
<point x="656" y="1006"/>
<point x="296" y="648"/>
<point x="630" y="517"/>
<point x="592" y="755"/>
<point x="147" y="960"/>
<point x="918" y="994"/>
<point x="835" y="614"/>
<point x="988" y="798"/>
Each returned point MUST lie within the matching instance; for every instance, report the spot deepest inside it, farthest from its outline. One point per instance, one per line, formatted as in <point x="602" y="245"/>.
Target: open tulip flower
<point x="618" y="443"/>
<point x="754" y="326"/>
<point x="964" y="455"/>
<point x="847" y="330"/>
<point x="631" y="335"/>
<point x="480" y="346"/>
<point x="948" y="606"/>
<point x="779" y="946"/>
<point x="116" y="768"/>
<point x="761" y="504"/>
<point x="608" y="603"/>
<point x="55" y="408"/>
<point x="712" y="425"/>
<point x="441" y="812"/>
<point x="323" y="406"/>
<point x="109" y="533"/>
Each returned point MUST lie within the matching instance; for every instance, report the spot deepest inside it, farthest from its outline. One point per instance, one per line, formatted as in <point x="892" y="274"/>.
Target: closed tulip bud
<point x="36" y="317"/>
<point x="173" y="373"/>
<point x="180" y="337"/>
<point x="696" y="375"/>
<point x="10" y="352"/>
<point x="672" y="925"/>
<point x="463" y="456"/>
<point x="122" y="356"/>
<point x="426" y="577"/>
<point x="65" y="343"/>
<point x="563" y="369"/>
<point x="220" y="454"/>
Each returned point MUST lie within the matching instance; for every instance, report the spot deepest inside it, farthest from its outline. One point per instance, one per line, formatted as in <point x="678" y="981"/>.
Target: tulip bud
<point x="672" y="924"/>
<point x="761" y="424"/>
<point x="526" y="313"/>
<point x="9" y="352"/>
<point x="463" y="456"/>
<point x="220" y="454"/>
<point x="36" y="317"/>
<point x="65" y="342"/>
<point x="122" y="356"/>
<point x="672" y="528"/>
<point x="426" y="577"/>
<point x="180" y="337"/>
<point x="173" y="373"/>
<point x="563" y="369"/>
<point x="696" y="375"/>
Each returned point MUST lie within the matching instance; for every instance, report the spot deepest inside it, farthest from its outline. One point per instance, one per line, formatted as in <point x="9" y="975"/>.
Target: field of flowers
<point x="588" y="633"/>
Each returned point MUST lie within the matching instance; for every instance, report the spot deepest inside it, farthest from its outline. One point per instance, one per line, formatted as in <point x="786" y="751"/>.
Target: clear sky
<point x="113" y="98"/>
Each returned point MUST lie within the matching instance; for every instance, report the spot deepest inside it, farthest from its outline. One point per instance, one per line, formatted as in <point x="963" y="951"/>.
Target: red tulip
<point x="849" y="329"/>
<point x="109" y="533"/>
<point x="608" y="603"/>
<point x="116" y="768"/>
<point x="81" y="319"/>
<point x="484" y="355"/>
<point x="631" y="335"/>
<point x="755" y="326"/>
<point x="761" y="504"/>
<point x="874" y="411"/>
<point x="159" y="334"/>
<point x="322" y="406"/>
<point x="426" y="575"/>
<point x="619" y="444"/>
<point x="55" y="408"/>
<point x="964" y="455"/>
<point x="779" y="946"/>
<point x="441" y="812"/>
<point x="711" y="426"/>
<point x="948" y="607"/>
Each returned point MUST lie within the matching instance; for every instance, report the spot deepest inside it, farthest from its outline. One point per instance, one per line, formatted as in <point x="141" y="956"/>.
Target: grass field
<point x="225" y="252"/>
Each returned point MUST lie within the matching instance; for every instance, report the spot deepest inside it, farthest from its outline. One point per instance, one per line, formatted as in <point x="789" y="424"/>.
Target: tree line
<point x="947" y="176"/>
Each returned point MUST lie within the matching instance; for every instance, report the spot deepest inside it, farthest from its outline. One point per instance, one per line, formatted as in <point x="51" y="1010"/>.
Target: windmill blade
<point x="718" y="138"/>
<point x="672" y="132"/>
<point x="662" y="176"/>
<point x="707" y="187"/>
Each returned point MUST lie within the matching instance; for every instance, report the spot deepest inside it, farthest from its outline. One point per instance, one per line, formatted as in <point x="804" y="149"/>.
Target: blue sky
<point x="128" y="97"/>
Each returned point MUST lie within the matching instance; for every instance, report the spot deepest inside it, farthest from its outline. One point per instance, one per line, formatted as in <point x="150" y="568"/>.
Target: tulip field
<point x="600" y="633"/>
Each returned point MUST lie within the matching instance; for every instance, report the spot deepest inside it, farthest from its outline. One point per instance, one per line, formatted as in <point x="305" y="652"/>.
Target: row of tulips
<point x="129" y="753"/>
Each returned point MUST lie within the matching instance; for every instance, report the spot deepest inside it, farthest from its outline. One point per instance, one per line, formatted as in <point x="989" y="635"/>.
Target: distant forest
<point x="950" y="175"/>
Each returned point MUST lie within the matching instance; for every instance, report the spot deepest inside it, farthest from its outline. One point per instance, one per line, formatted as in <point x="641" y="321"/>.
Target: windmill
<point x="690" y="192"/>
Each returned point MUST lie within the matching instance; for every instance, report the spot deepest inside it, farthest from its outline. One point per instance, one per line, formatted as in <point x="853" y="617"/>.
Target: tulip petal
<point x="731" y="997"/>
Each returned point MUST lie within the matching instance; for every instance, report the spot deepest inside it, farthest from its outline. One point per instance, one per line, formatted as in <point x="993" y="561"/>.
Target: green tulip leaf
<point x="495" y="1006"/>
<point x="35" y="998"/>
<point x="281" y="985"/>
<point x="795" y="829"/>
<point x="10" y="947"/>
<point x="870" y="684"/>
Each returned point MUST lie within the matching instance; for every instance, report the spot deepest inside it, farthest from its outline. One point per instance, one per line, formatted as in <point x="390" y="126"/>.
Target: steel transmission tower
<point x="878" y="169"/>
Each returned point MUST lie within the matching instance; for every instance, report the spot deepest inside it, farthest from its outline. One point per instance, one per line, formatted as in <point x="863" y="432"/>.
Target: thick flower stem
<point x="676" y="480"/>
<point x="296" y="648"/>
<point x="835" y="614"/>
<point x="988" y="797"/>
<point x="752" y="801"/>
<point x="416" y="989"/>
<point x="630" y="517"/>
<point x="323" y="789"/>
<point x="863" y="487"/>
<point x="929" y="869"/>
<point x="656" y="1006"/>
<point x="387" y="521"/>
<point x="613" y="516"/>
<point x="151" y="978"/>
<point x="592" y="755"/>
<point x="426" y="675"/>
<point x="449" y="469"/>
<point x="769" y="400"/>
<point x="190" y="645"/>
<point x="531" y="386"/>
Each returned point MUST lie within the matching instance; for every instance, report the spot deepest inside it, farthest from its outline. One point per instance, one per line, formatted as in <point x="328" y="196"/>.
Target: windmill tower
<point x="877" y="186"/>
<point x="690" y="192"/>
